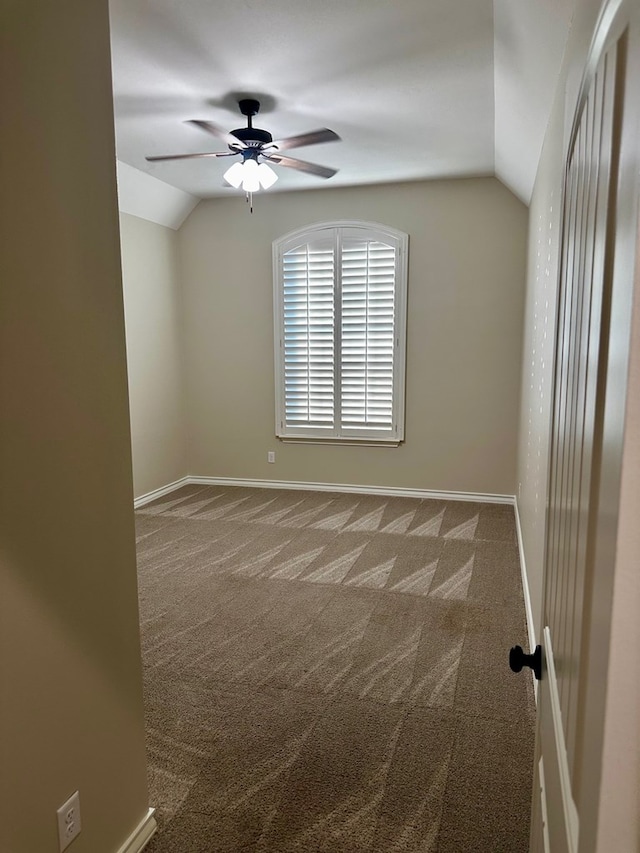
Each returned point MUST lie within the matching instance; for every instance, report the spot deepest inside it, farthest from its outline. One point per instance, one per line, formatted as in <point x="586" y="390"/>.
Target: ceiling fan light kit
<point x="252" y="175"/>
<point x="257" y="149"/>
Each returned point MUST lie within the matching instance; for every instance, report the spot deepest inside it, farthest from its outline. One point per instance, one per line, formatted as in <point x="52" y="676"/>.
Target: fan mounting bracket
<point x="249" y="107"/>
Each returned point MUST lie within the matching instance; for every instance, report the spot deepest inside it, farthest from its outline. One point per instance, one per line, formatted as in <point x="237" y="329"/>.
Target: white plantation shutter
<point x="367" y="334"/>
<point x="339" y="298"/>
<point x="309" y="334"/>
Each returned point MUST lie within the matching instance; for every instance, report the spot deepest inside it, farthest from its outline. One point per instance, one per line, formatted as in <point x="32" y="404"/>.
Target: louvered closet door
<point x="578" y="353"/>
<point x="585" y="447"/>
<point x="578" y="348"/>
<point x="309" y="335"/>
<point x="367" y="335"/>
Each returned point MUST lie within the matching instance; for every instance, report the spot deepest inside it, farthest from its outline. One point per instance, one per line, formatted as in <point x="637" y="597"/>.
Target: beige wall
<point x="153" y="323"/>
<point x="540" y="306"/>
<point x="70" y="679"/>
<point x="537" y="365"/>
<point x="467" y="255"/>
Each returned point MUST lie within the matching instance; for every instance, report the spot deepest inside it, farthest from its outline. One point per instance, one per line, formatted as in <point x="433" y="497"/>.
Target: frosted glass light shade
<point x="251" y="174"/>
<point x="235" y="174"/>
<point x="250" y="177"/>
<point x="266" y="176"/>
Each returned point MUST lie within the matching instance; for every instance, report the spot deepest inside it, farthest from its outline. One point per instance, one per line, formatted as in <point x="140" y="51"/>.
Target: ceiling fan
<point x="257" y="148"/>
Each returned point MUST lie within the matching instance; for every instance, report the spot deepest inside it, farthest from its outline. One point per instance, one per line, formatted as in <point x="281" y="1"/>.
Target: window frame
<point x="370" y="231"/>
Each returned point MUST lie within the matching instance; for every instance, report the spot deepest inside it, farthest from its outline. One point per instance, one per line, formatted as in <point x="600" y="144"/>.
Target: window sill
<point x="339" y="442"/>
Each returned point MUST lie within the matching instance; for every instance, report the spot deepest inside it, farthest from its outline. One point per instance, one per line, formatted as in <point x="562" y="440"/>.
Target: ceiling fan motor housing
<point x="253" y="136"/>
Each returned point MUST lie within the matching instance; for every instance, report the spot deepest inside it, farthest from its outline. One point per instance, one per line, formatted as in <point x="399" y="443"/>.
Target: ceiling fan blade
<point x="314" y="137"/>
<point x="212" y="128"/>
<point x="301" y="165"/>
<point x="189" y="156"/>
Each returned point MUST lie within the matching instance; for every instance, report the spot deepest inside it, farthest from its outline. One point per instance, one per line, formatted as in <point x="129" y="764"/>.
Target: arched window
<point x="340" y="328"/>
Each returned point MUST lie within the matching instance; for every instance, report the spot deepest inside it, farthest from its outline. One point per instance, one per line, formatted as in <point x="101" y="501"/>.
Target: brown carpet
<point x="328" y="672"/>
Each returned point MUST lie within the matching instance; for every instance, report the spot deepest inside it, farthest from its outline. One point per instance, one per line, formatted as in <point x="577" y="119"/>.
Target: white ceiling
<point x="417" y="89"/>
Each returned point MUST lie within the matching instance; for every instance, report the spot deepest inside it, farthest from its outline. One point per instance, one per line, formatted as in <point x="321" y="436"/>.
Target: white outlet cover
<point x="69" y="824"/>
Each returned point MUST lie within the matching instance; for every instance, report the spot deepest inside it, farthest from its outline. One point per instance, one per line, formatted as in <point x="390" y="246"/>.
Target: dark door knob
<point x="518" y="659"/>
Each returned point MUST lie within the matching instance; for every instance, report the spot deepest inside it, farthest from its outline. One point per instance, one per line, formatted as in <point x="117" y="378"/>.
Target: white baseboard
<point x="161" y="492"/>
<point x="528" y="609"/>
<point x="347" y="488"/>
<point x="525" y="582"/>
<point x="141" y="835"/>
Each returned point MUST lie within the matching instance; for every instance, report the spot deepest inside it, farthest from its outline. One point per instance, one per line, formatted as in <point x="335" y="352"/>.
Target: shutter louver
<point x="368" y="271"/>
<point x="308" y="335"/>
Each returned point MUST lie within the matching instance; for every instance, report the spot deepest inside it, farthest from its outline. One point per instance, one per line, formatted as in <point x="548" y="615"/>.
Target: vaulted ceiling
<point x="416" y="89"/>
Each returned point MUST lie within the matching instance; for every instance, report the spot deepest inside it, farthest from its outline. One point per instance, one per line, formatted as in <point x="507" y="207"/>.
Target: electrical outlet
<point x="69" y="824"/>
<point x="271" y="456"/>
